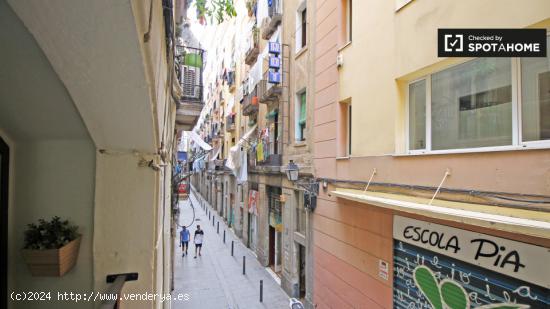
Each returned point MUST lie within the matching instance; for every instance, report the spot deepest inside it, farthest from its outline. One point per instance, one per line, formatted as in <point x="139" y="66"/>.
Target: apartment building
<point x="258" y="77"/>
<point x="432" y="169"/>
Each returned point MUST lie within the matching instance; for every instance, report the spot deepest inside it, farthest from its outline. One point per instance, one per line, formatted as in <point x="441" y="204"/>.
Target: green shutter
<point x="302" y="119"/>
<point x="193" y="60"/>
<point x="272" y="114"/>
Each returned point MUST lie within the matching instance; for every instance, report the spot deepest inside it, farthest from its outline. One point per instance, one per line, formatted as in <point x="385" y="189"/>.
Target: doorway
<point x="302" y="270"/>
<point x="4" y="185"/>
<point x="272" y="247"/>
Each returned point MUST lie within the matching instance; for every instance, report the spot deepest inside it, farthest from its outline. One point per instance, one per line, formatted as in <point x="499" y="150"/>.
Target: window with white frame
<point x="348" y="19"/>
<point x="301" y="116"/>
<point x="301" y="26"/>
<point x="485" y="102"/>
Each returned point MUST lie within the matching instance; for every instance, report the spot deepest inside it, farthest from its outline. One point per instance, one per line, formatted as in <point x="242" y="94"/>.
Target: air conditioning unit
<point x="190" y="84"/>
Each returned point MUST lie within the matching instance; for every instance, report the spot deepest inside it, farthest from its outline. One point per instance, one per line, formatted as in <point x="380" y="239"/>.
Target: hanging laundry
<point x="260" y="152"/>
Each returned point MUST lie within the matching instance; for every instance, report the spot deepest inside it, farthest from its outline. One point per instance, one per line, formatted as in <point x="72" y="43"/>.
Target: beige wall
<point x="390" y="48"/>
<point x="45" y="185"/>
<point x="126" y="221"/>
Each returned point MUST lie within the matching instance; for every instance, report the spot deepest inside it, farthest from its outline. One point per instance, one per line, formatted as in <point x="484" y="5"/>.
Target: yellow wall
<point x="390" y="48"/>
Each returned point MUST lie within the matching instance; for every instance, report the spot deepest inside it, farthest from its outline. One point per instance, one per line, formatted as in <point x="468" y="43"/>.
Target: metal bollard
<point x="244" y="265"/>
<point x="218" y="227"/>
<point x="224" y="236"/>
<point x="261" y="291"/>
<point x="212" y="221"/>
<point x="232" y="247"/>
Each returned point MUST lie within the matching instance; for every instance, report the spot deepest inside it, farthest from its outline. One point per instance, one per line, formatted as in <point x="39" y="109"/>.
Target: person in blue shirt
<point x="185" y="236"/>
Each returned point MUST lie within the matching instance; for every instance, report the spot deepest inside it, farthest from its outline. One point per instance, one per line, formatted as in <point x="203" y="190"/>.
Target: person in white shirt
<point x="199" y="235"/>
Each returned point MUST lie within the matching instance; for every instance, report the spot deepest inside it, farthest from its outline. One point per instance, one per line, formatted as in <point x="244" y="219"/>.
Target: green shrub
<point x="52" y="234"/>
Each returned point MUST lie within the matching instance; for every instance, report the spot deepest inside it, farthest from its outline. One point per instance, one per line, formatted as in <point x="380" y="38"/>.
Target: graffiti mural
<point x="424" y="278"/>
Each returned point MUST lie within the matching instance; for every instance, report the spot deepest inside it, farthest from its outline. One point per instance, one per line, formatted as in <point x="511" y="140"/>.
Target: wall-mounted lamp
<point x="310" y="186"/>
<point x="292" y="171"/>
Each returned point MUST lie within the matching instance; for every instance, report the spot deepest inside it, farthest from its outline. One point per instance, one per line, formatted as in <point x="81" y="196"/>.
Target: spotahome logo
<point x="491" y="42"/>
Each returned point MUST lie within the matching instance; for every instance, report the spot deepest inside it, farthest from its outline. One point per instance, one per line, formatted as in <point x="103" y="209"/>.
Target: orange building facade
<point x="389" y="219"/>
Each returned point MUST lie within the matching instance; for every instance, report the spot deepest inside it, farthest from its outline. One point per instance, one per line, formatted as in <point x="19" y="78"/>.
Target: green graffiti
<point x="425" y="280"/>
<point x="454" y="295"/>
<point x="449" y="293"/>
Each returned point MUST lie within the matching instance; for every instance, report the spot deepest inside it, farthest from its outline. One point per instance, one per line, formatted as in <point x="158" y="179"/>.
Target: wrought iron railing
<point x="269" y="91"/>
<point x="230" y="122"/>
<point x="250" y="102"/>
<point x="253" y="51"/>
<point x="189" y="69"/>
<point x="275" y="10"/>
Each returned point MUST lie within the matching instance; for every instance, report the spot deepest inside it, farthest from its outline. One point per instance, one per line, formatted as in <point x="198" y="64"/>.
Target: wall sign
<point x="439" y="267"/>
<point x="274" y="62"/>
<point x="383" y="269"/>
<point x="274" y="77"/>
<point x="274" y="48"/>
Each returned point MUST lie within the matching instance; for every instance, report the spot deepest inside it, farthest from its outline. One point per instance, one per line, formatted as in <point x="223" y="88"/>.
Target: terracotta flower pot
<point x="52" y="262"/>
<point x="254" y="100"/>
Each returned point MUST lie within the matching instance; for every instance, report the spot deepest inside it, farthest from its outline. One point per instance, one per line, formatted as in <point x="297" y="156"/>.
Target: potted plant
<point x="51" y="247"/>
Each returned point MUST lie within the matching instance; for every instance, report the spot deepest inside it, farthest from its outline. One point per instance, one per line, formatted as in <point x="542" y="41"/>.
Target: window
<point x="304" y="27"/>
<point x="535" y="97"/>
<point x="301" y="27"/>
<point x="347" y="19"/>
<point x="348" y="141"/>
<point x="301" y="116"/>
<point x="344" y="129"/>
<point x="417" y="115"/>
<point x="476" y="104"/>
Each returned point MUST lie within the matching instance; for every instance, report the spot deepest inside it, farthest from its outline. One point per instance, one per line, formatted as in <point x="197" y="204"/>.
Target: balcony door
<point x="4" y="169"/>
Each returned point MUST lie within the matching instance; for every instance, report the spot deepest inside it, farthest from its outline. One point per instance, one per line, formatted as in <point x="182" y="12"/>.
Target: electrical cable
<point x="192" y="220"/>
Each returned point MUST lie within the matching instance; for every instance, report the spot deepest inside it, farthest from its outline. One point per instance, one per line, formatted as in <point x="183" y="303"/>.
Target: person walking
<point x="199" y="235"/>
<point x="184" y="240"/>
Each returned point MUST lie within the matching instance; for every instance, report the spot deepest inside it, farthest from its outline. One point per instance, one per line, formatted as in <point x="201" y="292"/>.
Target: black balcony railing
<point x="189" y="68"/>
<point x="268" y="91"/>
<point x="250" y="102"/>
<point x="230" y="122"/>
<point x="275" y="10"/>
<point x="230" y="79"/>
<point x="275" y="13"/>
<point x="254" y="47"/>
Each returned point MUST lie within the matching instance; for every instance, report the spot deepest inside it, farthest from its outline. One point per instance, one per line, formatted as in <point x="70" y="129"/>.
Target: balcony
<point x="250" y="103"/>
<point x="268" y="92"/>
<point x="253" y="51"/>
<point x="273" y="160"/>
<point x="230" y="79"/>
<point x="189" y="71"/>
<point x="189" y="65"/>
<point x="270" y="23"/>
<point x="230" y="123"/>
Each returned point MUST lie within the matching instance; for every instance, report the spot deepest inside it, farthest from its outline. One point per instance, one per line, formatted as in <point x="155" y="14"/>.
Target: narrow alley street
<point x="215" y="279"/>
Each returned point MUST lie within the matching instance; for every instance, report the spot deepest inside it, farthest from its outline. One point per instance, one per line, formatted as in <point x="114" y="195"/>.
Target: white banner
<point x="515" y="259"/>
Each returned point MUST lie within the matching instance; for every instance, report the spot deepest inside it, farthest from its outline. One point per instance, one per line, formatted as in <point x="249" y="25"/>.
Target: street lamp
<point x="292" y="171"/>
